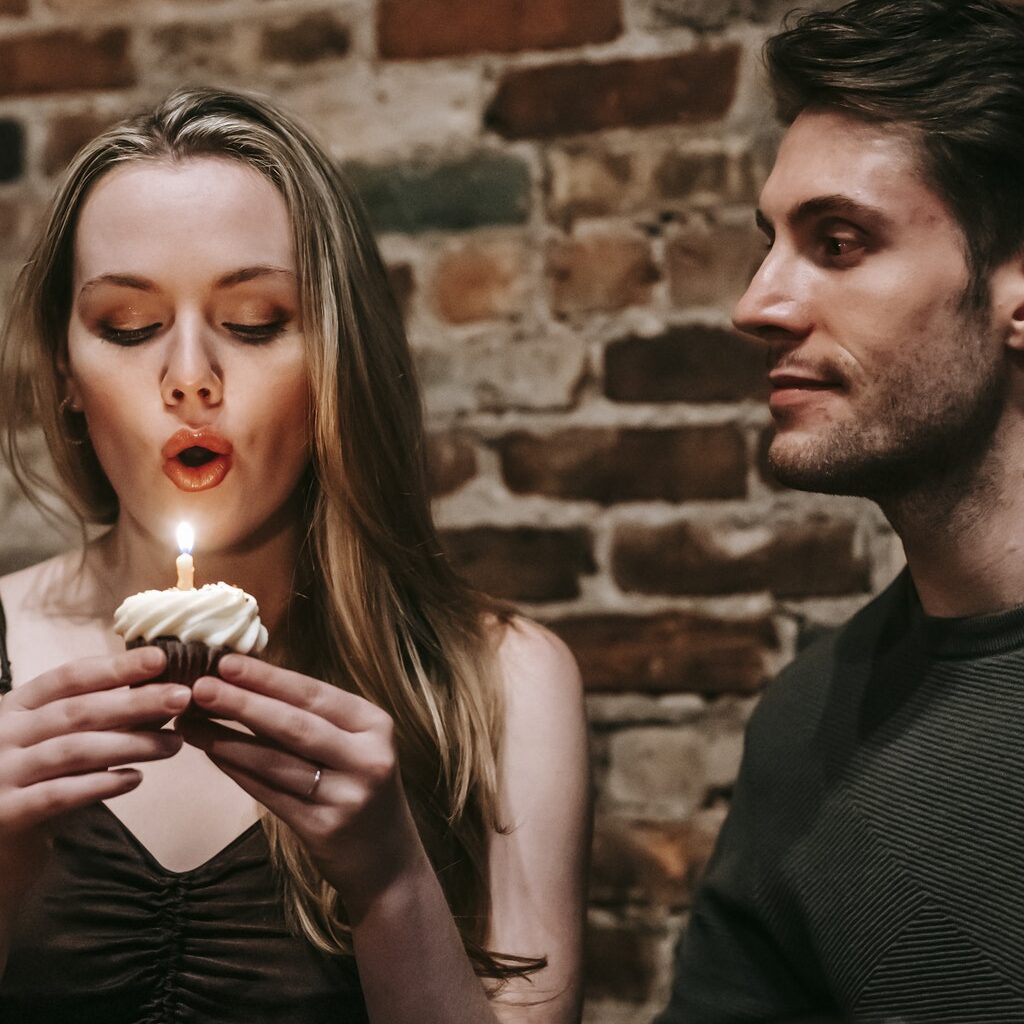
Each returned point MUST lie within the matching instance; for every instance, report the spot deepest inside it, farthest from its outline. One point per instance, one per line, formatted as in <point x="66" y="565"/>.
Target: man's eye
<point x="132" y="336"/>
<point x="842" y="246"/>
<point x="256" y="332"/>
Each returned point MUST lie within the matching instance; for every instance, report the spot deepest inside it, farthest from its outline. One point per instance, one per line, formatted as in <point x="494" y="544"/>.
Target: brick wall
<point x="564" y="194"/>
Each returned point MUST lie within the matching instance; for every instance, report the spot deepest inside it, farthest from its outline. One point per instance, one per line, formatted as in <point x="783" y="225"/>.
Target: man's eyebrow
<point x="834" y="205"/>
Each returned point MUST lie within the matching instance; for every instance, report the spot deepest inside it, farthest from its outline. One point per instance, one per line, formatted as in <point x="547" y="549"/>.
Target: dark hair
<point x="949" y="71"/>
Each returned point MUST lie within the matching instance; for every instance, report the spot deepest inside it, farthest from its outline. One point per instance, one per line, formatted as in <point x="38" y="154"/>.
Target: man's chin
<point x="802" y="465"/>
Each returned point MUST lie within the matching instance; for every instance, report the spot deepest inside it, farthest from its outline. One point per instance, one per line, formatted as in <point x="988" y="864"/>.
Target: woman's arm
<point x="411" y="961"/>
<point x="358" y="828"/>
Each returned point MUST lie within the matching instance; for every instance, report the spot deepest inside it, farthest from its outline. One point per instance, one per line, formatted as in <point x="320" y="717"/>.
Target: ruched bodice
<point x="109" y="936"/>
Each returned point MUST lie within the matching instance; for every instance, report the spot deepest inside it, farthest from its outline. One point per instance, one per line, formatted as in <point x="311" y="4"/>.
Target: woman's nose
<point x="192" y="375"/>
<point x="774" y="307"/>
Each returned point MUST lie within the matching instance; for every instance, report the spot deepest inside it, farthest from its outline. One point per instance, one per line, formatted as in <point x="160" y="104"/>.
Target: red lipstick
<point x="195" y="460"/>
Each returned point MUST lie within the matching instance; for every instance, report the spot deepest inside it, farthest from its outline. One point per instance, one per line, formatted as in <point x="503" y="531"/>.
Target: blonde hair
<point x="382" y="613"/>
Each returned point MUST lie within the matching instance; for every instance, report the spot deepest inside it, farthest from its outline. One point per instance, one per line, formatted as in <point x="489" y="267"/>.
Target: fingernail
<point x="152" y="658"/>
<point x="229" y="665"/>
<point x="179" y="697"/>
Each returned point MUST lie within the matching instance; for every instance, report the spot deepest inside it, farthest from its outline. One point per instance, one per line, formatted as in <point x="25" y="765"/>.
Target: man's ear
<point x="1008" y="300"/>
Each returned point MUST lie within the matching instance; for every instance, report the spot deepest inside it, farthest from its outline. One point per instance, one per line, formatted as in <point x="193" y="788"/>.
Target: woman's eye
<point x="127" y="337"/>
<point x="257" y="332"/>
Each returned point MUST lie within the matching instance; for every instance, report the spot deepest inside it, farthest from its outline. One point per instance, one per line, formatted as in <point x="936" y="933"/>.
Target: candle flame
<point x="186" y="538"/>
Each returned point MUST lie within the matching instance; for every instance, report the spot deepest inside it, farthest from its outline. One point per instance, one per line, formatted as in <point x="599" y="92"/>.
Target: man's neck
<point x="964" y="539"/>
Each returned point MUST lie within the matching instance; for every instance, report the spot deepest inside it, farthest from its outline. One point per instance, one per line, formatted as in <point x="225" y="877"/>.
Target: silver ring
<point x="316" y="782"/>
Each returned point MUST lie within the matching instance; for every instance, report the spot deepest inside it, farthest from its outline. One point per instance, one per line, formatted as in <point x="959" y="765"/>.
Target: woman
<point x="408" y="758"/>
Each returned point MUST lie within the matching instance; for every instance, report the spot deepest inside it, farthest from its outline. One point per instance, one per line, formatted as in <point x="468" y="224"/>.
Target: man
<point x="872" y="866"/>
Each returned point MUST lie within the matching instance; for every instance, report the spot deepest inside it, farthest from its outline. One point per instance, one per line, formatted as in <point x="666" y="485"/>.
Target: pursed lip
<point x="201" y="477"/>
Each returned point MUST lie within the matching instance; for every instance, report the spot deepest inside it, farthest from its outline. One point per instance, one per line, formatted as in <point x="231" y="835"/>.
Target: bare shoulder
<point x="48" y="617"/>
<point x="17" y="588"/>
<point x="536" y="665"/>
<point x="33" y="586"/>
<point x="545" y="733"/>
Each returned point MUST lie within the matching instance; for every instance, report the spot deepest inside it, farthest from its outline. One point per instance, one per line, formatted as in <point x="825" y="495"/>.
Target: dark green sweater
<point x="872" y="866"/>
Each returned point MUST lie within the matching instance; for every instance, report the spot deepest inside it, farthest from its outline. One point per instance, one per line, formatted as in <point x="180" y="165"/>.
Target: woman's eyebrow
<point x="249" y="274"/>
<point x="124" y="280"/>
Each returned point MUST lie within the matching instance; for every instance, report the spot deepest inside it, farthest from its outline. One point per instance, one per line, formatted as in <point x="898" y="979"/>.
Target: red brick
<point x="65" y="61"/>
<point x="671" y="652"/>
<point x="451" y="462"/>
<point x="613" y="465"/>
<point x="403" y="284"/>
<point x="600" y="273"/>
<point x="652" y="862"/>
<point x="695" y="363"/>
<point x="481" y="280"/>
<point x="20" y="214"/>
<point x="815" y="558"/>
<point x="702" y="177"/>
<point x="307" y="40"/>
<point x="67" y="134"/>
<point x="564" y="99"/>
<point x="192" y="50"/>
<point x="521" y="564"/>
<point x="584" y="182"/>
<point x="605" y="177"/>
<point x="445" y="28"/>
<point x="712" y="267"/>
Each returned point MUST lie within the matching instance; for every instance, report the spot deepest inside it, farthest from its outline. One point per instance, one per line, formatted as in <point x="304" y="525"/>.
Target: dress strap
<point x="5" y="662"/>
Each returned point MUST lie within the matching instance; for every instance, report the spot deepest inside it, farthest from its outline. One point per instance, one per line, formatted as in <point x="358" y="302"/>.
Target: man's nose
<point x="775" y="306"/>
<point x="192" y="378"/>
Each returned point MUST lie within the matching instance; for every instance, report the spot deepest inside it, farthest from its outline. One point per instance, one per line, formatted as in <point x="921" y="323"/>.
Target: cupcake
<point x="194" y="627"/>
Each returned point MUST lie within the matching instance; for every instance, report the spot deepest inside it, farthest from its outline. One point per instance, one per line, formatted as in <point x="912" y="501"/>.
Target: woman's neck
<point x="128" y="559"/>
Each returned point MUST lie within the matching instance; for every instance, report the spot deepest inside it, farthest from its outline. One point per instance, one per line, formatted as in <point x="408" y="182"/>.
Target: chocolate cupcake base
<point x="186" y="662"/>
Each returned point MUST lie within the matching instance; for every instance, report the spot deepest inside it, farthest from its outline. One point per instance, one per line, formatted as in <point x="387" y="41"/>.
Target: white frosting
<point x="217" y="614"/>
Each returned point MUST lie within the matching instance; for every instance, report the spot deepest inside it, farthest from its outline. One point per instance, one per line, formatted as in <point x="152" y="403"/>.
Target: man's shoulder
<point x="794" y="703"/>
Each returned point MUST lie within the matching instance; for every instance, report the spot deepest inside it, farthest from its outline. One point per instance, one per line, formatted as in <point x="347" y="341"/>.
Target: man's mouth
<point x="195" y="460"/>
<point x="793" y="388"/>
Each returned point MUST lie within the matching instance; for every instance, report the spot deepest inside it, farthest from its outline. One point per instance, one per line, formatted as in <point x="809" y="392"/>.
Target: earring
<point x="65" y="411"/>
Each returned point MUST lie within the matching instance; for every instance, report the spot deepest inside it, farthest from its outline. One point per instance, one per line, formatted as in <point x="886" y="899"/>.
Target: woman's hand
<point x="63" y="736"/>
<point x="322" y="759"/>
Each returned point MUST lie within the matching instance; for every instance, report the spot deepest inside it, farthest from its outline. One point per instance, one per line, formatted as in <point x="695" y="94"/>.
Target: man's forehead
<point x="829" y="160"/>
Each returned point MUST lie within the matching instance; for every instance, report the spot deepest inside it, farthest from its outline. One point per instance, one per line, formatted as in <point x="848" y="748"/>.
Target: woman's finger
<point x="346" y="710"/>
<point x="34" y="805"/>
<point x="288" y="807"/>
<point x="88" y="752"/>
<point x="89" y="674"/>
<point x="123" y="708"/>
<point x="278" y="768"/>
<point x="290" y="728"/>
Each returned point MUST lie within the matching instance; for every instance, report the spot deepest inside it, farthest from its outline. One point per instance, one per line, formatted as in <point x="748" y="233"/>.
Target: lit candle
<point x="186" y="571"/>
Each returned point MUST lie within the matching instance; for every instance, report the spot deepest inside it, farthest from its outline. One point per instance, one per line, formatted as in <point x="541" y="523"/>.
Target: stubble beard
<point x="925" y="436"/>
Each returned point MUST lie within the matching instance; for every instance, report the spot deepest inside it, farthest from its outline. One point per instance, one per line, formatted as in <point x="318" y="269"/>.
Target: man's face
<point x="883" y="374"/>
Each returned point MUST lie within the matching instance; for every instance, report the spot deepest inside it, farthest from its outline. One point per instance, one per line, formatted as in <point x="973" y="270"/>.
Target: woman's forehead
<point x="211" y="213"/>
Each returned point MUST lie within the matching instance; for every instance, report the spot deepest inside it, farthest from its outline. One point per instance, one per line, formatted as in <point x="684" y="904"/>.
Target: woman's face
<point x="185" y="347"/>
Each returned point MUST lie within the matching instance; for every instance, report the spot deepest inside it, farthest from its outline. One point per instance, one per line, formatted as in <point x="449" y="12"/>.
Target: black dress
<point x="109" y="936"/>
